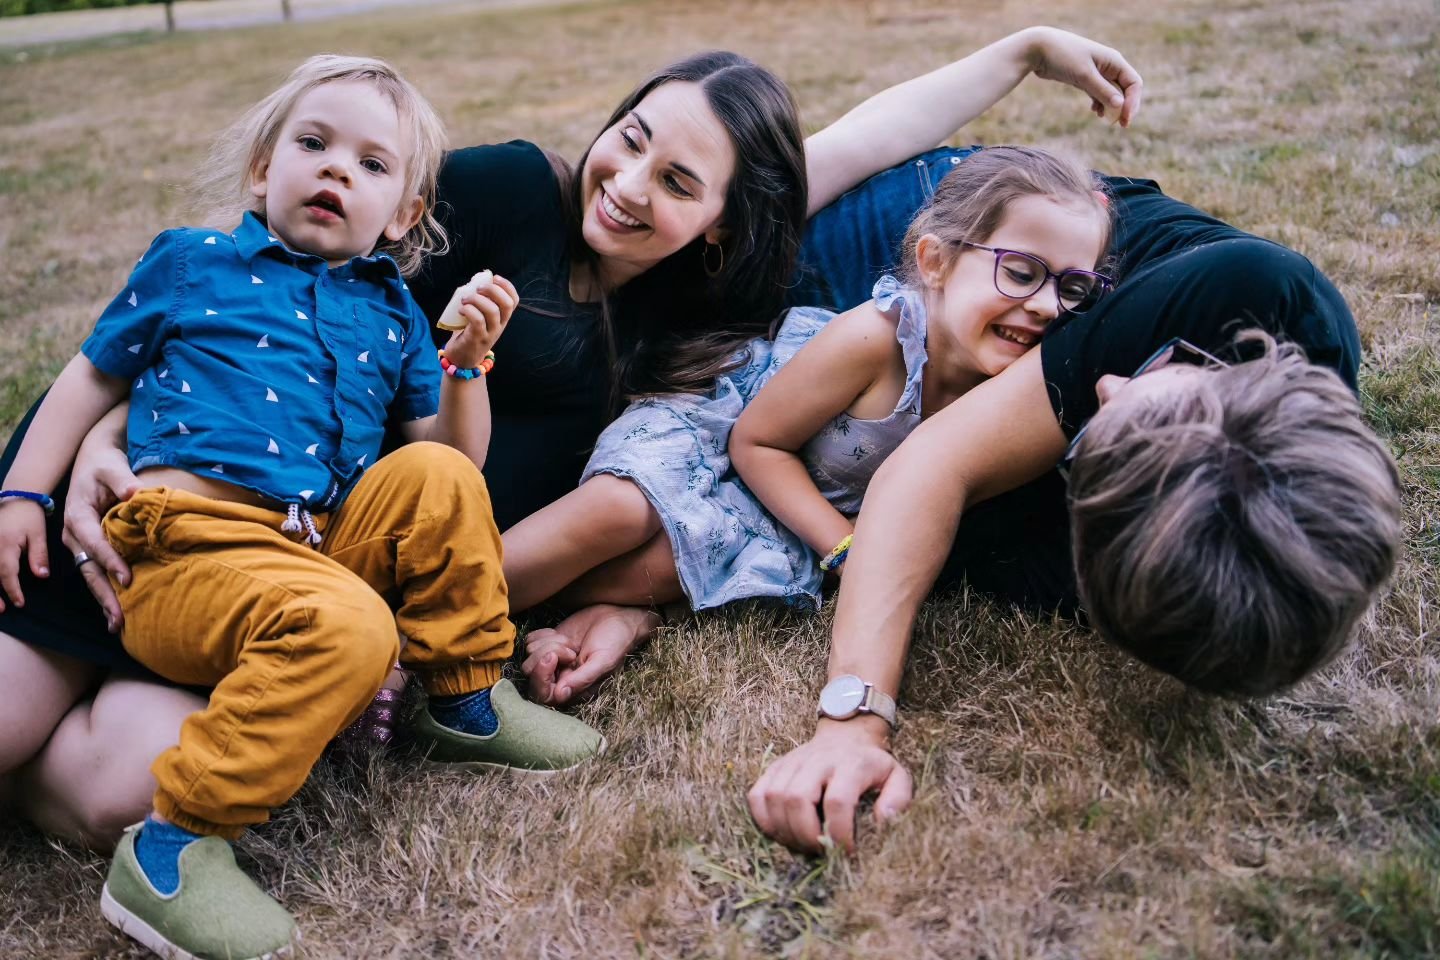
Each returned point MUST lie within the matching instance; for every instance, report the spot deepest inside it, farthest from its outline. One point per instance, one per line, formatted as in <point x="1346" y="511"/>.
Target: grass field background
<point x="1069" y="803"/>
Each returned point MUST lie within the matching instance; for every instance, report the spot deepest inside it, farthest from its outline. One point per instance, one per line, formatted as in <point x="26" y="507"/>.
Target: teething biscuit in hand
<point x="451" y="318"/>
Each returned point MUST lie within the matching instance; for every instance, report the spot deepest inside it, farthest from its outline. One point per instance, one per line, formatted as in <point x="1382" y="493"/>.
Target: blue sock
<point x="158" y="849"/>
<point x="469" y="713"/>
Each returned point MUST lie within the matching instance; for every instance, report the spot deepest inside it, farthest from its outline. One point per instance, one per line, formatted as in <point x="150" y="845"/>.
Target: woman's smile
<point x="610" y="211"/>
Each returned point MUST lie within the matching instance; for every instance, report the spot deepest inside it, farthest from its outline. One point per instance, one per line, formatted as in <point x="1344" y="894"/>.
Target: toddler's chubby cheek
<point x="451" y="318"/>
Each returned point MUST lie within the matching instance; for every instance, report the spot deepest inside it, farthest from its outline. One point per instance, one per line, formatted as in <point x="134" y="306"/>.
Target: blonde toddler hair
<point x="223" y="186"/>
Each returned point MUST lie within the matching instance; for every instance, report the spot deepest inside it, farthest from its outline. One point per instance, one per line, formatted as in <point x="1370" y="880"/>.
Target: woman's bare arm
<point x="998" y="436"/>
<point x="916" y="115"/>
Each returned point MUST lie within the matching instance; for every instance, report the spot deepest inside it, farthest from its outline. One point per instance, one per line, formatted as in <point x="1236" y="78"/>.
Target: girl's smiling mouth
<point x="1016" y="335"/>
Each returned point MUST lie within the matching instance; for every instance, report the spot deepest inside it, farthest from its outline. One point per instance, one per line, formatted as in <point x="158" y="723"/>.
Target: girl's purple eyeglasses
<point x="1020" y="275"/>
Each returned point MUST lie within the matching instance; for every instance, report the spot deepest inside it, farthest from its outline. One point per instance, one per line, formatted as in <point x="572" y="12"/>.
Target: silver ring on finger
<point x="82" y="558"/>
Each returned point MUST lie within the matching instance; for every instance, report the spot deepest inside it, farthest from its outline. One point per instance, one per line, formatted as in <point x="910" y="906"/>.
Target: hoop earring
<point x="705" y="259"/>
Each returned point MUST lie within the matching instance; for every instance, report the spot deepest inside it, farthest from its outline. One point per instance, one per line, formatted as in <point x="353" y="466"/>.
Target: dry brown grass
<point x="1069" y="804"/>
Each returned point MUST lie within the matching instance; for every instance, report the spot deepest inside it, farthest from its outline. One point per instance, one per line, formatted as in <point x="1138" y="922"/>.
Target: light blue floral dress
<point x="675" y="448"/>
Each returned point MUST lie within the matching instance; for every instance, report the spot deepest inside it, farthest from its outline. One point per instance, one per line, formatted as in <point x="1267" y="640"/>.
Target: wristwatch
<point x="847" y="695"/>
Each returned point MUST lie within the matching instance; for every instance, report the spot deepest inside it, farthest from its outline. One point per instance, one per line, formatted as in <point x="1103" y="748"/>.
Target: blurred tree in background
<point x="14" y="8"/>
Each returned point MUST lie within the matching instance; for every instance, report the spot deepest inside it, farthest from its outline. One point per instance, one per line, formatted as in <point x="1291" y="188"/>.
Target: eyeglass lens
<point x="1020" y="275"/>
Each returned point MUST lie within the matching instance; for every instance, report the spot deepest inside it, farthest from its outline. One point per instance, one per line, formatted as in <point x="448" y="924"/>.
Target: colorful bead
<point x="466" y="373"/>
<point x="837" y="556"/>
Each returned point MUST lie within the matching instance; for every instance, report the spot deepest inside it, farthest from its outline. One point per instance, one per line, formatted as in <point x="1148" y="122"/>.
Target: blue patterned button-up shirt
<point x="263" y="367"/>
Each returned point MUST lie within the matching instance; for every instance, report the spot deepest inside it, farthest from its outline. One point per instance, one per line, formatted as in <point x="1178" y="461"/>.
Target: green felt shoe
<point x="218" y="913"/>
<point x="531" y="739"/>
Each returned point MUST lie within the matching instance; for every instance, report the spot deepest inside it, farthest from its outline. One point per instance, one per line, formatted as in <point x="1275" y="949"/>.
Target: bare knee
<point x="93" y="777"/>
<point x="619" y="508"/>
<point x="105" y="816"/>
<point x="41" y="687"/>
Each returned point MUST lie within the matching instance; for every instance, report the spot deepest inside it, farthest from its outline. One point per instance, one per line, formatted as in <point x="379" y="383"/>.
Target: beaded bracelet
<point x="467" y="373"/>
<point x="46" y="502"/>
<point x="836" y="557"/>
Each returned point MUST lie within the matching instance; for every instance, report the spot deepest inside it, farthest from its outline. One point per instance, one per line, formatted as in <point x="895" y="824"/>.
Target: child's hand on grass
<point x="478" y="313"/>
<point x="22" y="528"/>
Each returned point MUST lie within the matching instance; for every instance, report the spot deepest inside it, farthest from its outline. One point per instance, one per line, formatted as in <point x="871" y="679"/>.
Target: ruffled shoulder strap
<point x="890" y="294"/>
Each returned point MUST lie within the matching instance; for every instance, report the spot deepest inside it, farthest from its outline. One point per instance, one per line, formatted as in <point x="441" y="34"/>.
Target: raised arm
<point x="919" y="114"/>
<point x="994" y="438"/>
<point x="477" y="315"/>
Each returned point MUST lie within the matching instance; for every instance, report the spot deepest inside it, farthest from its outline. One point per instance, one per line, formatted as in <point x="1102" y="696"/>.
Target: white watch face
<point x="842" y="696"/>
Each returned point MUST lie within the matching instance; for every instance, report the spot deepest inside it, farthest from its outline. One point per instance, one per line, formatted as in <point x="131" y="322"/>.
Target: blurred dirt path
<point x="43" y="28"/>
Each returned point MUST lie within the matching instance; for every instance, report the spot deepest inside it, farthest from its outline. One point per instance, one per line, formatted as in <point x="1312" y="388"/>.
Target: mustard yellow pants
<point x="297" y="640"/>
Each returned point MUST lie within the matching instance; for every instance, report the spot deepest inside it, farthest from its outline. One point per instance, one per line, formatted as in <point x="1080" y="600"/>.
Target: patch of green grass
<point x="1386" y="907"/>
<point x="1190" y="35"/>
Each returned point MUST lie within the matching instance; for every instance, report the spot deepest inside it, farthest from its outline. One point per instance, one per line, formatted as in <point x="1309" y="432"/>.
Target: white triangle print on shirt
<point x="255" y="279"/>
<point x="264" y="342"/>
<point x="312" y="448"/>
<point x="184" y="386"/>
<point x="139" y="383"/>
<point x="306" y="494"/>
<point x="311" y="379"/>
<point x="163" y="374"/>
<point x="133" y="301"/>
<point x="154" y="416"/>
<point x="392" y="337"/>
<point x="218" y="468"/>
<point x="184" y="430"/>
<point x="274" y="447"/>
<point x="361" y="461"/>
<point x="270" y="395"/>
<point x="210" y="313"/>
<point x="300" y="316"/>
<point x="210" y="241"/>
<point x="364" y="357"/>
<point x="136" y="348"/>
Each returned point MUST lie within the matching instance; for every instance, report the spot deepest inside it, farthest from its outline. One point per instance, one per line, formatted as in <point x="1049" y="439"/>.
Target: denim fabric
<point x="856" y="240"/>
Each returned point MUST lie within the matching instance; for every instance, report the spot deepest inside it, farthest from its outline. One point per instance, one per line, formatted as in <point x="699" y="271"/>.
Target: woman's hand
<point x="809" y="795"/>
<point x="484" y="310"/>
<point x="583" y="649"/>
<point x="22" y="531"/>
<point x="101" y="478"/>
<point x="1114" y="87"/>
<point x="917" y="115"/>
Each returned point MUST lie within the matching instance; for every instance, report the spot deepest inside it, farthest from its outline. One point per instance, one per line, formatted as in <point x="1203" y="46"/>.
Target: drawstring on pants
<point x="297" y="518"/>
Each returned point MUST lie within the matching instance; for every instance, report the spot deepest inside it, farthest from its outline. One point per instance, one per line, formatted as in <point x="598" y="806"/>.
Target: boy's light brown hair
<point x="1232" y="533"/>
<point x="223" y="184"/>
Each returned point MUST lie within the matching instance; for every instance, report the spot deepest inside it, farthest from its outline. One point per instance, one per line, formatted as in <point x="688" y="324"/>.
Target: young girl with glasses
<point x="756" y="483"/>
